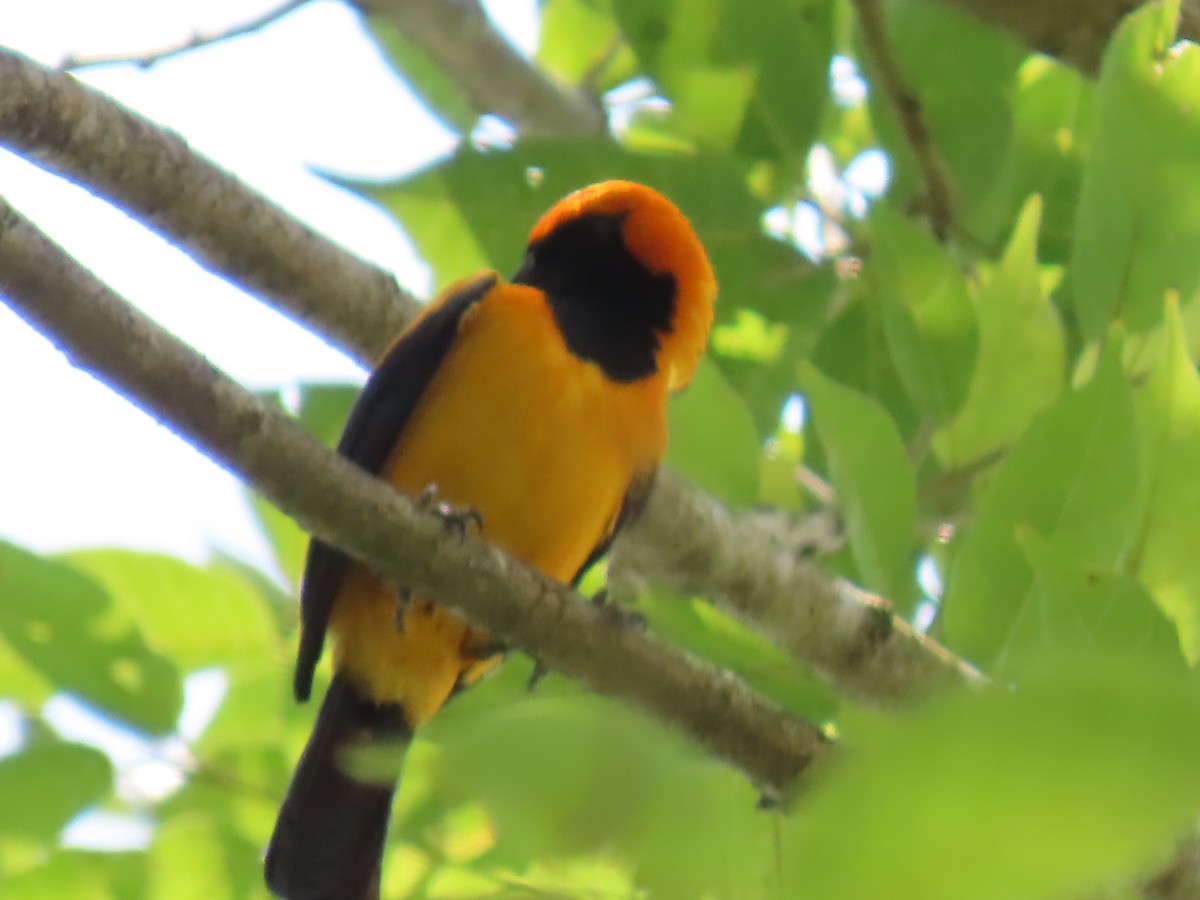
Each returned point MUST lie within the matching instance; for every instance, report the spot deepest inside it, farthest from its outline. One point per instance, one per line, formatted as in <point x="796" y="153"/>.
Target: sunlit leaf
<point x="873" y="480"/>
<point x="67" y="626"/>
<point x="1019" y="369"/>
<point x="1168" y="409"/>
<point x="196" y="616"/>
<point x="712" y="438"/>
<point x="927" y="314"/>
<point x="1138" y="222"/>
<point x="1074" y="479"/>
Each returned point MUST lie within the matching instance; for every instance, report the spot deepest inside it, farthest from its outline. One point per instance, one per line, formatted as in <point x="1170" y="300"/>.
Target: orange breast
<point x="540" y="443"/>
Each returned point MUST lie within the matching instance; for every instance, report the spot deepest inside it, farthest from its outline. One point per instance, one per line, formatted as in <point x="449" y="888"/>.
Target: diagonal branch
<point x="50" y="117"/>
<point x="195" y="42"/>
<point x="340" y="503"/>
<point x="67" y="128"/>
<point x="496" y="79"/>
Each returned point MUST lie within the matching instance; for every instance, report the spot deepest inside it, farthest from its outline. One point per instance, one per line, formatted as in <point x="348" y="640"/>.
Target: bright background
<point x="301" y="95"/>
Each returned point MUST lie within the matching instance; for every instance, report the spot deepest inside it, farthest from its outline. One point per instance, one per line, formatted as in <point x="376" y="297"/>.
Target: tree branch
<point x="195" y="42"/>
<point x="71" y="130"/>
<point x="49" y="116"/>
<point x="1074" y="31"/>
<point x="907" y="106"/>
<point x="761" y="574"/>
<point x="495" y="77"/>
<point x="340" y="503"/>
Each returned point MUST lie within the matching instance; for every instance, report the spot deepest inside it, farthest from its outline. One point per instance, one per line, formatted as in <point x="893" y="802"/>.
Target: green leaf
<point x="750" y="77"/>
<point x="1074" y="479"/>
<point x="440" y="93"/>
<point x="196" y="616"/>
<point x="965" y="90"/>
<point x="713" y="441"/>
<point x="1168" y="408"/>
<point x="579" y="40"/>
<point x="65" y="625"/>
<point x="1100" y="614"/>
<point x="621" y="786"/>
<point x="1019" y="370"/>
<point x="1138" y="221"/>
<point x="927" y="315"/>
<point x="46" y="785"/>
<point x="194" y="856"/>
<point x="1085" y="777"/>
<point x="873" y="480"/>
<point x="1053" y="121"/>
<point x="78" y="876"/>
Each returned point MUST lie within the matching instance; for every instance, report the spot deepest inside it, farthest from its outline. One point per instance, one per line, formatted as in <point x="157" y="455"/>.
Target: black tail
<point x="330" y="832"/>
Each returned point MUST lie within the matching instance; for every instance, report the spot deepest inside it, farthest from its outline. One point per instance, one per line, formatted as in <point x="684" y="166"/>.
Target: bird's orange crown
<point x="661" y="238"/>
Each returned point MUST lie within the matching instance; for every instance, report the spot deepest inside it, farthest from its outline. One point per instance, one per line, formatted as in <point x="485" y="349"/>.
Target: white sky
<point x="82" y="466"/>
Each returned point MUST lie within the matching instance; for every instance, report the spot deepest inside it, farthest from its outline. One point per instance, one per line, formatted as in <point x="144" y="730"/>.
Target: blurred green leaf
<point x="580" y="41"/>
<point x="617" y="783"/>
<point x="1105" y="613"/>
<point x="1084" y="775"/>
<point x="196" y="616"/>
<point x="927" y="314"/>
<point x="1053" y="119"/>
<point x="66" y="874"/>
<point x="46" y="785"/>
<point x="1074" y="479"/>
<point x="713" y="441"/>
<point x="66" y="625"/>
<point x="194" y="857"/>
<point x="873" y="480"/>
<point x="20" y="681"/>
<point x="1019" y="369"/>
<point x="1168" y="408"/>
<point x="1138" y="221"/>
<point x="751" y="77"/>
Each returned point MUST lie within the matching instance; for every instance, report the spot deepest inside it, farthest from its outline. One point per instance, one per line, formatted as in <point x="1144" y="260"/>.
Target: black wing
<point x="376" y="421"/>
<point x="631" y="507"/>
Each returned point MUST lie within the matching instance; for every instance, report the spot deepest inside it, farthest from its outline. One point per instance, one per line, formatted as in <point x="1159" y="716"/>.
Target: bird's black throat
<point x="610" y="308"/>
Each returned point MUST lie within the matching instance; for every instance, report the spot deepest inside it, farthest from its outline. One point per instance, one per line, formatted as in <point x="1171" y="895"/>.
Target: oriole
<point x="538" y="403"/>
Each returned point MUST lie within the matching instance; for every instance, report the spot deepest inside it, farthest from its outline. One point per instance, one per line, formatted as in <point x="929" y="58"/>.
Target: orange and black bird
<point x="540" y="405"/>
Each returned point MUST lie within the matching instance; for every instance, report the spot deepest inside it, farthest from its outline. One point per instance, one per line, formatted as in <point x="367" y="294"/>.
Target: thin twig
<point x="338" y="502"/>
<point x="195" y="42"/>
<point x="907" y="106"/>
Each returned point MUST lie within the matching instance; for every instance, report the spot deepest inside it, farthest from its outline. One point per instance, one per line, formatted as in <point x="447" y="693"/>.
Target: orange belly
<point x="538" y="442"/>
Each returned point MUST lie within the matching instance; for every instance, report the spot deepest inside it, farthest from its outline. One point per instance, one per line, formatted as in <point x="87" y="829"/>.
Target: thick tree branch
<point x="1075" y="31"/>
<point x="760" y="573"/>
<point x="340" y="503"/>
<point x="494" y="76"/>
<point x="783" y="601"/>
<point x="69" y="129"/>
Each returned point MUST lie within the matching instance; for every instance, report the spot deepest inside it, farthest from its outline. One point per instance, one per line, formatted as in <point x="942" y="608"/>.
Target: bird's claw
<point x="453" y="520"/>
